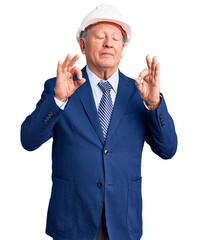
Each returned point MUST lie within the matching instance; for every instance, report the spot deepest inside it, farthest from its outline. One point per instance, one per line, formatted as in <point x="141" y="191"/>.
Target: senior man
<point x="99" y="120"/>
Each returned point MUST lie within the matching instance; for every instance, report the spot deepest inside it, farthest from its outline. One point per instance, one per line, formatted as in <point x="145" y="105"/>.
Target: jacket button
<point x="162" y="123"/>
<point x="50" y="114"/>
<point x="46" y="120"/>
<point x="99" y="184"/>
<point x="106" y="152"/>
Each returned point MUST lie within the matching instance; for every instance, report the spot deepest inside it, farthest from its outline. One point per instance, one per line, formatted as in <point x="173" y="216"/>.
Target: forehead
<point x="105" y="27"/>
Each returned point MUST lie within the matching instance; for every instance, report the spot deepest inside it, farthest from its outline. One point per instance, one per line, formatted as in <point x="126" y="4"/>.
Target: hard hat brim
<point x="123" y="25"/>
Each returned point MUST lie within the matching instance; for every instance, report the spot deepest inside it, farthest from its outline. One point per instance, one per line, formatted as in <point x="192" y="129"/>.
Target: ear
<point x="82" y="42"/>
<point x="123" y="46"/>
<point x="122" y="50"/>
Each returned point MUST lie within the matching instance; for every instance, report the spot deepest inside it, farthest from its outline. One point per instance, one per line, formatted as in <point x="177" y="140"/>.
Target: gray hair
<point x="84" y="34"/>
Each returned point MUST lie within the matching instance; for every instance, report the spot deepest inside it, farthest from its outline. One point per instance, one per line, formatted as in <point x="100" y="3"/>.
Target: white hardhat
<point x="105" y="13"/>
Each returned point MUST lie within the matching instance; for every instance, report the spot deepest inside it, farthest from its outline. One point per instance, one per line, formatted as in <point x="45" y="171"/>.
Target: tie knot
<point x="105" y="86"/>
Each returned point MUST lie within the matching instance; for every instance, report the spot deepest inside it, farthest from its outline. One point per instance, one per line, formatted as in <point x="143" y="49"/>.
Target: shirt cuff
<point x="61" y="104"/>
<point x="147" y="107"/>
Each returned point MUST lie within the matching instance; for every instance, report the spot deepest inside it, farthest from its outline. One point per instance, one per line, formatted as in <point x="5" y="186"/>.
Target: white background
<point x="34" y="36"/>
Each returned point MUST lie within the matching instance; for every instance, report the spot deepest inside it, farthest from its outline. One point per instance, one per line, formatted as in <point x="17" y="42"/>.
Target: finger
<point x="148" y="60"/>
<point x="157" y="70"/>
<point x="76" y="70"/>
<point x="154" y="62"/>
<point x="59" y="68"/>
<point x="144" y="73"/>
<point x="73" y="61"/>
<point x="66" y="62"/>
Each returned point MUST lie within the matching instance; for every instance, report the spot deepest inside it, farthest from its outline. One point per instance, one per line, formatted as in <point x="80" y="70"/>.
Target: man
<point x="99" y="120"/>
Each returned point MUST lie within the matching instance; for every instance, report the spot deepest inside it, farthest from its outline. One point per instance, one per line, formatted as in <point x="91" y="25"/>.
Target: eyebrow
<point x="104" y="31"/>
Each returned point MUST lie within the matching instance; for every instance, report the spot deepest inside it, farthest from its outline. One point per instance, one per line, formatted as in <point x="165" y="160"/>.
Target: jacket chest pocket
<point x="62" y="209"/>
<point x="134" y="212"/>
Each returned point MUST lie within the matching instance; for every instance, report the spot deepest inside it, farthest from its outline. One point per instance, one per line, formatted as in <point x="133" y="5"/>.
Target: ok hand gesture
<point x="148" y="82"/>
<point x="65" y="85"/>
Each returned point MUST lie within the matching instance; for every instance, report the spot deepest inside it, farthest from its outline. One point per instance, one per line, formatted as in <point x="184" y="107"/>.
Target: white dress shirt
<point x="97" y="92"/>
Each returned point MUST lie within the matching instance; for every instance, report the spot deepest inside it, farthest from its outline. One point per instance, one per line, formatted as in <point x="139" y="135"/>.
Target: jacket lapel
<point x="125" y="90"/>
<point x="86" y="97"/>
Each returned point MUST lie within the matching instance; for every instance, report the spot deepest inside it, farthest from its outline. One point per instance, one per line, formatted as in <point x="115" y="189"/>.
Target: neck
<point x="103" y="73"/>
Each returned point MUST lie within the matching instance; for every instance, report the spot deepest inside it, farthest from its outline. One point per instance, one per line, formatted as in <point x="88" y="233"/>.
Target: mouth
<point x="107" y="54"/>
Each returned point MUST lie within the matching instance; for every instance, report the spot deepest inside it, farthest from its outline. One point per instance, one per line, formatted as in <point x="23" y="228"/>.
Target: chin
<point x="107" y="64"/>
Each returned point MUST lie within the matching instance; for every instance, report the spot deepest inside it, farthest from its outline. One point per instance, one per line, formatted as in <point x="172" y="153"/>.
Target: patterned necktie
<point x="105" y="106"/>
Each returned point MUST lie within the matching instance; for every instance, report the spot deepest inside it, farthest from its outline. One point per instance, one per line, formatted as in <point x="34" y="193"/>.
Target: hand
<point x="65" y="85"/>
<point x="148" y="82"/>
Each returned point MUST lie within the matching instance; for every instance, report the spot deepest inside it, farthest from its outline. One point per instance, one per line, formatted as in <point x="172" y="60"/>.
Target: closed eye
<point x="100" y="36"/>
<point x="116" y="38"/>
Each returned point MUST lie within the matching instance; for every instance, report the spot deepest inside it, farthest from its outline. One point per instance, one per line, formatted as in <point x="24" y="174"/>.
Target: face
<point x="103" y="46"/>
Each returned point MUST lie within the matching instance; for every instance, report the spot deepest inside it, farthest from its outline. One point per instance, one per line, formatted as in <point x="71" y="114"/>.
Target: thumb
<point x="79" y="82"/>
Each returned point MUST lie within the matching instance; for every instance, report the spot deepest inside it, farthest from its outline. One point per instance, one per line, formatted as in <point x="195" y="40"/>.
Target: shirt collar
<point x="94" y="80"/>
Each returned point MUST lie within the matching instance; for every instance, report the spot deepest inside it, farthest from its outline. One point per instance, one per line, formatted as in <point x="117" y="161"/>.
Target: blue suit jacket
<point x="84" y="173"/>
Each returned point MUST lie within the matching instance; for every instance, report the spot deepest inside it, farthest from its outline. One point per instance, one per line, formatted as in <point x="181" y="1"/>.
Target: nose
<point x="108" y="43"/>
<point x="108" y="46"/>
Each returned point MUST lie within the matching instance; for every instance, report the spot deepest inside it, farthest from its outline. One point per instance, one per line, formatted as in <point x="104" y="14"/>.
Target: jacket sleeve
<point x="38" y="127"/>
<point x="161" y="135"/>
